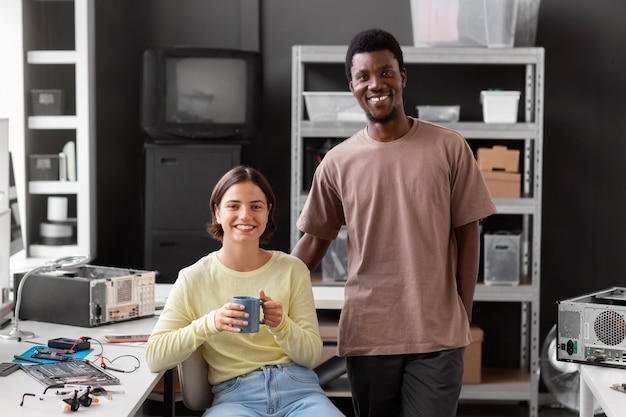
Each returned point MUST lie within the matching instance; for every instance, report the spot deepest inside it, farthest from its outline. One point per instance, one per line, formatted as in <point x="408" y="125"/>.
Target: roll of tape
<point x="55" y="230"/>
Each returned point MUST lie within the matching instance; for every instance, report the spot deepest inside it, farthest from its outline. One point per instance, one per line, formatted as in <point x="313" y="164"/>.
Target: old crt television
<point x="193" y="94"/>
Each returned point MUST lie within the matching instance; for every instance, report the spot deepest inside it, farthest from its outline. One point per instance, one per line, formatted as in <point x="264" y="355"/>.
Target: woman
<point x="253" y="374"/>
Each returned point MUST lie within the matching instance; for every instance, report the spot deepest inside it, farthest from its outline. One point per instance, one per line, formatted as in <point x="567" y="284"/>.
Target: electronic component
<point x="592" y="328"/>
<point x="88" y="296"/>
<point x="27" y="359"/>
<point x="69" y="344"/>
<point x="619" y="387"/>
<point x="126" y="338"/>
<point x="75" y="372"/>
<point x="51" y="355"/>
<point x="7" y="368"/>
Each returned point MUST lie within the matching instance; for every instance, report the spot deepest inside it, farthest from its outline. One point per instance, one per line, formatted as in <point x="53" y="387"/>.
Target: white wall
<point x="11" y="90"/>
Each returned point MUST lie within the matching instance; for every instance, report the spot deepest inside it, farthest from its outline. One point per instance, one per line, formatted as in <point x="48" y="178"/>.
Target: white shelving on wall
<point x="312" y="71"/>
<point x="58" y="41"/>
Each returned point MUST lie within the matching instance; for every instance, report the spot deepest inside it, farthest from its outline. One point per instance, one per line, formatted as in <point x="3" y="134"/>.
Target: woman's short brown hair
<point x="234" y="176"/>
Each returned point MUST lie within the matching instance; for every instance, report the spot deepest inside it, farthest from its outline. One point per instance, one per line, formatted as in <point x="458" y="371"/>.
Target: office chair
<point x="194" y="386"/>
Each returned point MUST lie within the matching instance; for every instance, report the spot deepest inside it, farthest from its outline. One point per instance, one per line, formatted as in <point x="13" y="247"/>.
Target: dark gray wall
<point x="585" y="143"/>
<point x="124" y="29"/>
<point x="584" y="175"/>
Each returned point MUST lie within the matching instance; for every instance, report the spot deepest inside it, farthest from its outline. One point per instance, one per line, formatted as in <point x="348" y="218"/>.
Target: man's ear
<point x="350" y="86"/>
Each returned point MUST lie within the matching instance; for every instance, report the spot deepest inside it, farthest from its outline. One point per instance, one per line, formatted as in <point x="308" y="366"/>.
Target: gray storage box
<point x="48" y="102"/>
<point x="44" y="167"/>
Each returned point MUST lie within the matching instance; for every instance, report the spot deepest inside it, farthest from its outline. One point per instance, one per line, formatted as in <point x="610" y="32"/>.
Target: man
<point x="411" y="196"/>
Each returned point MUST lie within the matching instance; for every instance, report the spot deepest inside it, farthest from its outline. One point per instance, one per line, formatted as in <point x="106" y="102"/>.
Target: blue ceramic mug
<point x="253" y="308"/>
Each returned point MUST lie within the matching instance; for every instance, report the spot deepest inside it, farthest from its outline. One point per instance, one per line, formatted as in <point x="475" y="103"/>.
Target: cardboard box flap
<point x="503" y="184"/>
<point x="477" y="334"/>
<point x="498" y="158"/>
<point x="501" y="176"/>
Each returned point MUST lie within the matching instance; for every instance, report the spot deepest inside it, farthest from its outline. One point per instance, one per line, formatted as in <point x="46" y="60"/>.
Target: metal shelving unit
<point x="522" y="383"/>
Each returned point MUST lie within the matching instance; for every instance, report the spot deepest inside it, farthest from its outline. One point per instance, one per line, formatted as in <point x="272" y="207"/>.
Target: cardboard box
<point x="503" y="184"/>
<point x="499" y="166"/>
<point x="498" y="158"/>
<point x="472" y="359"/>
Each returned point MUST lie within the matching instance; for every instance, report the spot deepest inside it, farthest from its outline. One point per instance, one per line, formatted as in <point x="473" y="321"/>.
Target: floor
<point x="466" y="409"/>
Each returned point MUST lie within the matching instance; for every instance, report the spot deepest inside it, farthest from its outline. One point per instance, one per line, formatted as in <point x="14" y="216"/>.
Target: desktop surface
<point x="127" y="397"/>
<point x="595" y="383"/>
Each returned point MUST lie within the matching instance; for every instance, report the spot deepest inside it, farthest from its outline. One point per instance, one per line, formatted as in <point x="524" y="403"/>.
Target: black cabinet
<point x="179" y="182"/>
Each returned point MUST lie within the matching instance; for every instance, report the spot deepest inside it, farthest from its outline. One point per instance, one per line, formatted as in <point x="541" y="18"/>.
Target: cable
<point x="99" y="343"/>
<point x="104" y="365"/>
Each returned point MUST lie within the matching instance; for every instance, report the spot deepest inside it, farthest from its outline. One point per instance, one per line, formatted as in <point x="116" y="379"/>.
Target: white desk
<point x="328" y="297"/>
<point x="595" y="383"/>
<point x="136" y="385"/>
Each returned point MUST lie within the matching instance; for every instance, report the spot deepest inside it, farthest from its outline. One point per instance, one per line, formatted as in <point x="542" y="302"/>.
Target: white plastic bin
<point x="447" y="114"/>
<point x="500" y="106"/>
<point x="488" y="23"/>
<point x="332" y="106"/>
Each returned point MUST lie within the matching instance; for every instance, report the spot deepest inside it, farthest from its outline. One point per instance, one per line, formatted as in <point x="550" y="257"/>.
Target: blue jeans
<point x="278" y="391"/>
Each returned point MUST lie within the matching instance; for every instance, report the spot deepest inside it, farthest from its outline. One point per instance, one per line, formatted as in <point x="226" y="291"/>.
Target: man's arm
<point x="311" y="250"/>
<point x="468" y="246"/>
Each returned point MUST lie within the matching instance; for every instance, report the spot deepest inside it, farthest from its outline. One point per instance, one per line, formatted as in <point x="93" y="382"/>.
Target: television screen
<point x="197" y="94"/>
<point x="204" y="90"/>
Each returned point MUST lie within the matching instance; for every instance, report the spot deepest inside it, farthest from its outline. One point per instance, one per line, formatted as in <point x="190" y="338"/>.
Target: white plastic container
<point x="500" y="106"/>
<point x="490" y="23"/>
<point x="332" y="106"/>
<point x="439" y="114"/>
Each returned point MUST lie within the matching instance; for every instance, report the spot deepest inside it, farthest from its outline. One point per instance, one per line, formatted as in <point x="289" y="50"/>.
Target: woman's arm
<point x="298" y="333"/>
<point x="176" y="335"/>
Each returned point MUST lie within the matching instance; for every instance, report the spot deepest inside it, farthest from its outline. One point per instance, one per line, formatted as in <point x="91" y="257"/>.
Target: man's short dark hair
<point x="373" y="40"/>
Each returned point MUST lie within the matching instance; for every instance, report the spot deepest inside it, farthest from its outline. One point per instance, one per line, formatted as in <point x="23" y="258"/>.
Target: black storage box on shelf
<point x="47" y="102"/>
<point x="45" y="167"/>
